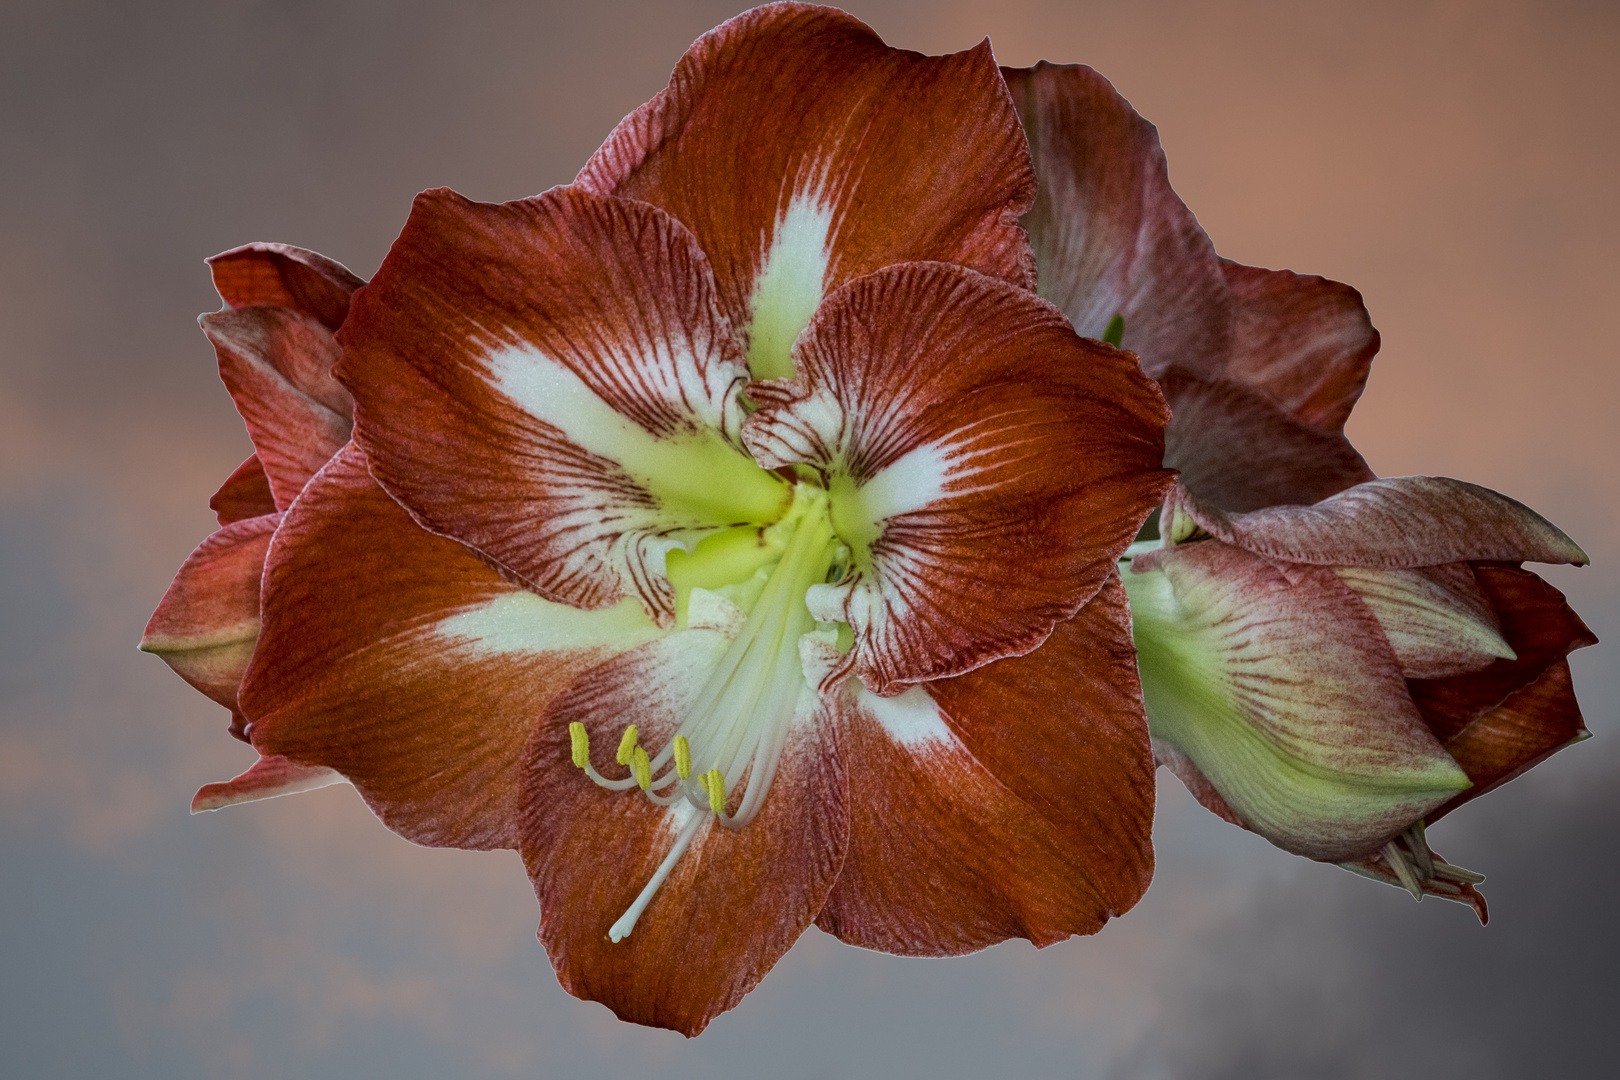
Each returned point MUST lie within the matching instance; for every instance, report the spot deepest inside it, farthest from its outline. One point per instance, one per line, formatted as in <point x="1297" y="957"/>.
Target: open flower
<point x="733" y="532"/>
<point x="276" y="353"/>
<point x="1304" y="678"/>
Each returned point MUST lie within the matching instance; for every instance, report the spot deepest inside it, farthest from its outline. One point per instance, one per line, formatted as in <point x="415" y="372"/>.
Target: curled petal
<point x="403" y="661"/>
<point x="734" y="899"/>
<point x="277" y="365"/>
<point x="551" y="382"/>
<point x="1240" y="452"/>
<point x="1284" y="692"/>
<point x="285" y="276"/>
<point x="1394" y="522"/>
<point x="1110" y="236"/>
<point x="1303" y="341"/>
<point x="265" y="779"/>
<point x="205" y="625"/>
<point x="1013" y="801"/>
<point x="985" y="465"/>
<point x="245" y="493"/>
<point x="1436" y="617"/>
<point x="840" y="156"/>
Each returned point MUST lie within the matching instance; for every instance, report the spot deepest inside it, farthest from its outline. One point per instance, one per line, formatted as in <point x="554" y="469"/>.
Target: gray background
<point x="1457" y="162"/>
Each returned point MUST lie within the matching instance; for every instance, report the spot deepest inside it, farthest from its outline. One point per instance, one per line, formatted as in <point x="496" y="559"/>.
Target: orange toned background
<point x="1457" y="162"/>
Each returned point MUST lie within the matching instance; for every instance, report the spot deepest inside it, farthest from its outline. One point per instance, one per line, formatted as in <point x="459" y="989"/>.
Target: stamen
<point x="683" y="757"/>
<point x="715" y="784"/>
<point x="642" y="768"/>
<point x="627" y="745"/>
<point x="581" y="740"/>
<point x="1397" y="862"/>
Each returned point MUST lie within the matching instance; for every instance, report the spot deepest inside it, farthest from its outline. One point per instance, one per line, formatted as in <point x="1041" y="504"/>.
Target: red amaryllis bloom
<point x="1331" y="677"/>
<point x="274" y="340"/>
<point x="733" y="532"/>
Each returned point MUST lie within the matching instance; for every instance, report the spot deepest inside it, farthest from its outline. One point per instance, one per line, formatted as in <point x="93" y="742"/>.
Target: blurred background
<point x="1455" y="161"/>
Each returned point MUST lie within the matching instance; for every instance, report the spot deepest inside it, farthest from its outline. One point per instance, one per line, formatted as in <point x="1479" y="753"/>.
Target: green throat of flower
<point x="723" y="755"/>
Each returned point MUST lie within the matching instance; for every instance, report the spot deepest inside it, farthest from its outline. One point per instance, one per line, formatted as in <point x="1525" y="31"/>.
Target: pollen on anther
<point x="683" y="757"/>
<point x="627" y="745"/>
<point x="581" y="744"/>
<point x="642" y="766"/>
<point x="715" y="784"/>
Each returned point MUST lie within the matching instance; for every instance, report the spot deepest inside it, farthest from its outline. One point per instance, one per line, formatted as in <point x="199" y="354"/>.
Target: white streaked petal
<point x="519" y="622"/>
<point x="788" y="288"/>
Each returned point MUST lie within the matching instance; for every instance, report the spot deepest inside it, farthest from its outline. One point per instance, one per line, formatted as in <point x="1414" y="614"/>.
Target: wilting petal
<point x="985" y="465"/>
<point x="1196" y="783"/>
<point x="1303" y="341"/>
<point x="838" y="156"/>
<point x="1436" y="617"/>
<point x="1238" y="451"/>
<point x="245" y="493"/>
<point x="1540" y="628"/>
<point x="1398" y="521"/>
<point x="407" y="664"/>
<point x="265" y="779"/>
<point x="733" y="902"/>
<point x="1284" y="692"/>
<point x="1013" y="801"/>
<point x="551" y="382"/>
<point x="285" y="276"/>
<point x="1520" y="733"/>
<point x="1110" y="236"/>
<point x="205" y="625"/>
<point x="277" y="364"/>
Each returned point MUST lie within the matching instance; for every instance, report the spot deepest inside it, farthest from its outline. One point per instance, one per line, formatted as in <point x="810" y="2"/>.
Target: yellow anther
<point x="683" y="757"/>
<point x="642" y="766"/>
<point x="581" y="744"/>
<point x="715" y="784"/>
<point x="627" y="745"/>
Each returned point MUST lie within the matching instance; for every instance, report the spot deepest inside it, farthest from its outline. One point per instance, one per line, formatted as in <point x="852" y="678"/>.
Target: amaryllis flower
<point x="734" y="533"/>
<point x="1333" y="677"/>
<point x="276" y="353"/>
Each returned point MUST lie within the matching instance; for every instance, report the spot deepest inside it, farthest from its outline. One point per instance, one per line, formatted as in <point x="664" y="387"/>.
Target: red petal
<point x="1437" y="618"/>
<point x="1303" y="341"/>
<point x="551" y="382"/>
<point x="1110" y="236"/>
<point x="1542" y="630"/>
<point x="1014" y="801"/>
<point x="1517" y="735"/>
<point x="801" y="116"/>
<point x="244" y="494"/>
<point x="1398" y="521"/>
<point x="285" y="276"/>
<point x="986" y="465"/>
<point x="265" y="779"/>
<point x="277" y="365"/>
<point x="404" y="662"/>
<point x="736" y="899"/>
<point x="206" y="624"/>
<point x="1238" y="451"/>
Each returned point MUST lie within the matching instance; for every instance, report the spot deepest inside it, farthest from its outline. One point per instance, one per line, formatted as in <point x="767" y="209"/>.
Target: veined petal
<point x="245" y="493"/>
<point x="1530" y="725"/>
<point x="1110" y="236"/>
<point x="285" y="276"/>
<point x="1540" y="628"/>
<point x="1013" y="801"/>
<point x="265" y="779"/>
<point x="734" y="900"/>
<point x="1240" y="452"/>
<point x="1305" y="342"/>
<point x="839" y="156"/>
<point x="277" y="364"/>
<point x="403" y="661"/>
<point x="1285" y="694"/>
<point x="985" y="465"/>
<point x="551" y="382"/>
<point x="1394" y="522"/>
<point x="1436" y="617"/>
<point x="205" y="625"/>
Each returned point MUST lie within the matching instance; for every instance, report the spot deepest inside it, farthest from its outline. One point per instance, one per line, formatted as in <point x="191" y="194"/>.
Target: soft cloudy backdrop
<point x="1457" y="162"/>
